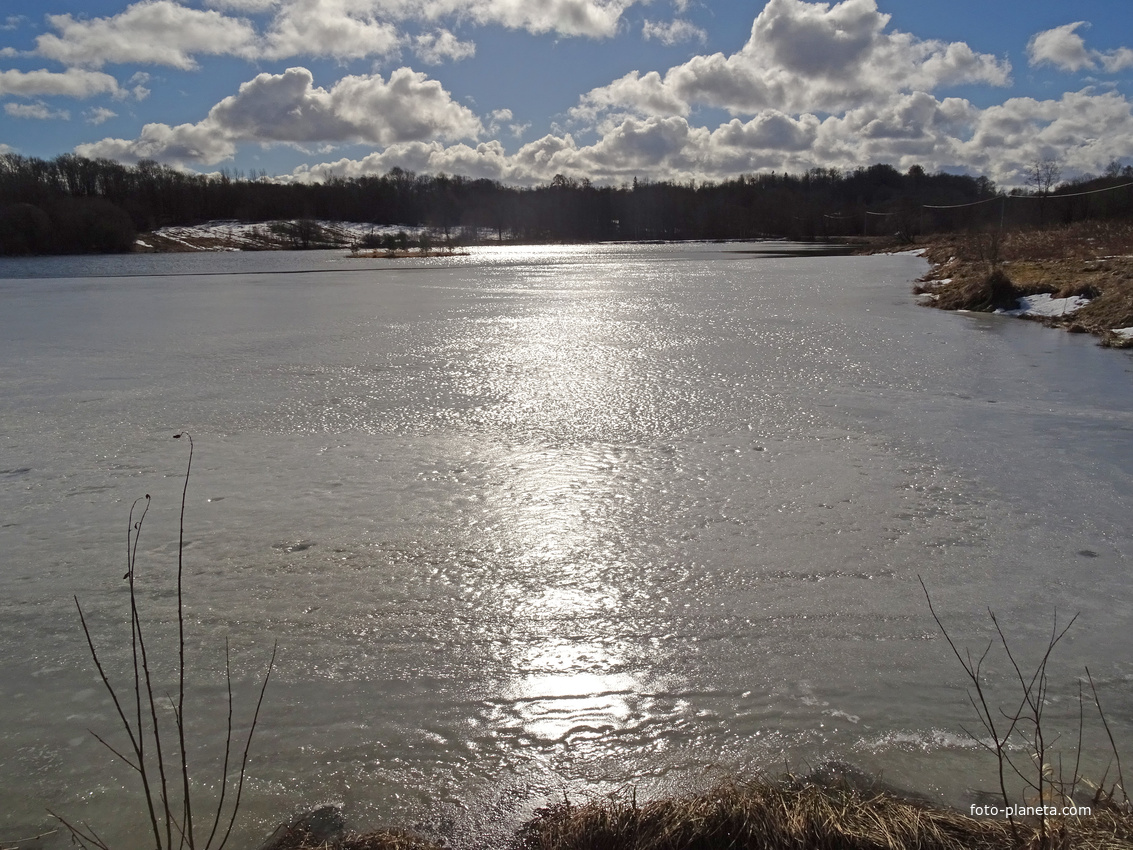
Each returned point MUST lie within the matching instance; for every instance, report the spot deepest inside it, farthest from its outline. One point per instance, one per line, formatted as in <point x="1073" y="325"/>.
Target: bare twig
<point x="973" y="670"/>
<point x="176" y="808"/>
<point x="1113" y="746"/>
<point x="187" y="797"/>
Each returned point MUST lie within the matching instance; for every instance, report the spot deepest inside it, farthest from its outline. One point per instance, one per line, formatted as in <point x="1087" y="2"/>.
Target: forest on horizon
<point x="76" y="205"/>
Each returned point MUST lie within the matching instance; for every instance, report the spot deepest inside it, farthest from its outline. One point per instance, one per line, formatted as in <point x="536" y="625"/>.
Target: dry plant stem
<point x="177" y="814"/>
<point x="248" y="747"/>
<point x="1078" y="752"/>
<point x="187" y="797"/>
<point x="1031" y="708"/>
<point x="227" y="745"/>
<point x="14" y="844"/>
<point x="1112" y="745"/>
<point x="139" y="647"/>
<point x="983" y="710"/>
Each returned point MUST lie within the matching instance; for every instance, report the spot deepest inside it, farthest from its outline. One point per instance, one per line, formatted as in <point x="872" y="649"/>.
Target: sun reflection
<point x="566" y="688"/>
<point x="562" y="514"/>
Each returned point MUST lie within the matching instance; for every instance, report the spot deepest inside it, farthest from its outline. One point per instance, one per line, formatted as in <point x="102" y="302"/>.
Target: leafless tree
<point x="1042" y="174"/>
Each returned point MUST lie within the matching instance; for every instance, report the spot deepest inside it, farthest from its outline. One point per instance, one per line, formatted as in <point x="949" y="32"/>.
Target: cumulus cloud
<point x="673" y="32"/>
<point x="1061" y="47"/>
<point x="436" y="47"/>
<point x="1066" y="50"/>
<point x="498" y="118"/>
<point x="248" y="6"/>
<point x="1085" y="130"/>
<point x="38" y="110"/>
<point x="185" y="143"/>
<point x="802" y="57"/>
<point x="593" y="18"/>
<point x="99" y="115"/>
<point x="73" y="82"/>
<point x="289" y="108"/>
<point x="158" y="32"/>
<point x="1117" y="60"/>
<point x="345" y="29"/>
<point x="167" y="32"/>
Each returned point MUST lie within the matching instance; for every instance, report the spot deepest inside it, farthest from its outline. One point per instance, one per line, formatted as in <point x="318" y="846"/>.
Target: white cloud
<point x="673" y="32"/>
<point x="12" y="22"/>
<point x="593" y="18"/>
<point x="1117" y="60"/>
<point x="498" y="118"/>
<point x="441" y="46"/>
<point x="181" y="144"/>
<point x="70" y="83"/>
<point x="99" y="115"/>
<point x="1063" y="48"/>
<point x="345" y="29"/>
<point x="1084" y="130"/>
<point x="38" y="110"/>
<point x="167" y="32"/>
<point x="802" y="57"/>
<point x="158" y="32"/>
<point x="249" y="6"/>
<point x="289" y="108"/>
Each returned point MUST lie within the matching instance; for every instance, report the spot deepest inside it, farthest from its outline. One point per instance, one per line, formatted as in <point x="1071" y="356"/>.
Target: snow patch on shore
<point x="1045" y="306"/>
<point x="1124" y="333"/>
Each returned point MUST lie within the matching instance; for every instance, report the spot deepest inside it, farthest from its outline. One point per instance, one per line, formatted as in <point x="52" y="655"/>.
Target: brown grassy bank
<point x="987" y="270"/>
<point x="788" y="814"/>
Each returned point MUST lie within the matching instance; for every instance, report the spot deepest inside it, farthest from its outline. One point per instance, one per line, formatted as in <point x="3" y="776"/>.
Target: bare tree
<point x="1042" y="174"/>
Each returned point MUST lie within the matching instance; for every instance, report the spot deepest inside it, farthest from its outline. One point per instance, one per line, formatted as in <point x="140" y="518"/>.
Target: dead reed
<point x="157" y="755"/>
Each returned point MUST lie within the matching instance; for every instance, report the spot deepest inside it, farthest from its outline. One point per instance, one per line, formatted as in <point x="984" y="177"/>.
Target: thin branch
<point x="984" y="711"/>
<point x="1113" y="746"/>
<point x="85" y="839"/>
<point x="248" y="746"/>
<point x="102" y="741"/>
<point x="181" y="645"/>
<point x="227" y="747"/>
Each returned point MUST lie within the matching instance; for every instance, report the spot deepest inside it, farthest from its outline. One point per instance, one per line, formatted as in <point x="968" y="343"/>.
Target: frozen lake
<point x="538" y="520"/>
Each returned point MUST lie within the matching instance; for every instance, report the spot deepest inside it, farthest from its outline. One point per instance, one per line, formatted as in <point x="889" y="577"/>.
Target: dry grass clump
<point x="384" y="839"/>
<point x="791" y="815"/>
<point x="803" y="815"/>
<point x="987" y="270"/>
<point x="993" y="291"/>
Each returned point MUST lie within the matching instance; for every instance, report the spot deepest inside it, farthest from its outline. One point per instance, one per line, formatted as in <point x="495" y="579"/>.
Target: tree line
<point x="72" y="204"/>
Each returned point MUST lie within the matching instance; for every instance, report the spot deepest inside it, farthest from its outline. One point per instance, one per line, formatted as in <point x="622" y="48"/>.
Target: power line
<point x="1025" y="198"/>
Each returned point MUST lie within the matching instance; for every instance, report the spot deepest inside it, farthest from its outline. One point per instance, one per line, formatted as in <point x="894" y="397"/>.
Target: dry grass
<point x="811" y="813"/>
<point x="385" y="839"/>
<point x="987" y="292"/>
<point x="801" y="815"/>
<point x="1091" y="259"/>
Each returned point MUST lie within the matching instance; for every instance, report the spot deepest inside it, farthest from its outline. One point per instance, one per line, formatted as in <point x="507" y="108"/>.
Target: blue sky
<point x="520" y="90"/>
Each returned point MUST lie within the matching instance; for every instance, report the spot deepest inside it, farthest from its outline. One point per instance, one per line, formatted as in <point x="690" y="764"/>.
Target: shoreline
<point x="1077" y="277"/>
<point x="835" y="807"/>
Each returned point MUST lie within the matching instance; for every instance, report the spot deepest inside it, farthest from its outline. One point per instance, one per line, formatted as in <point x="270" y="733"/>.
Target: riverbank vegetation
<point x="74" y="204"/>
<point x="1086" y="267"/>
<point x="819" y="812"/>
